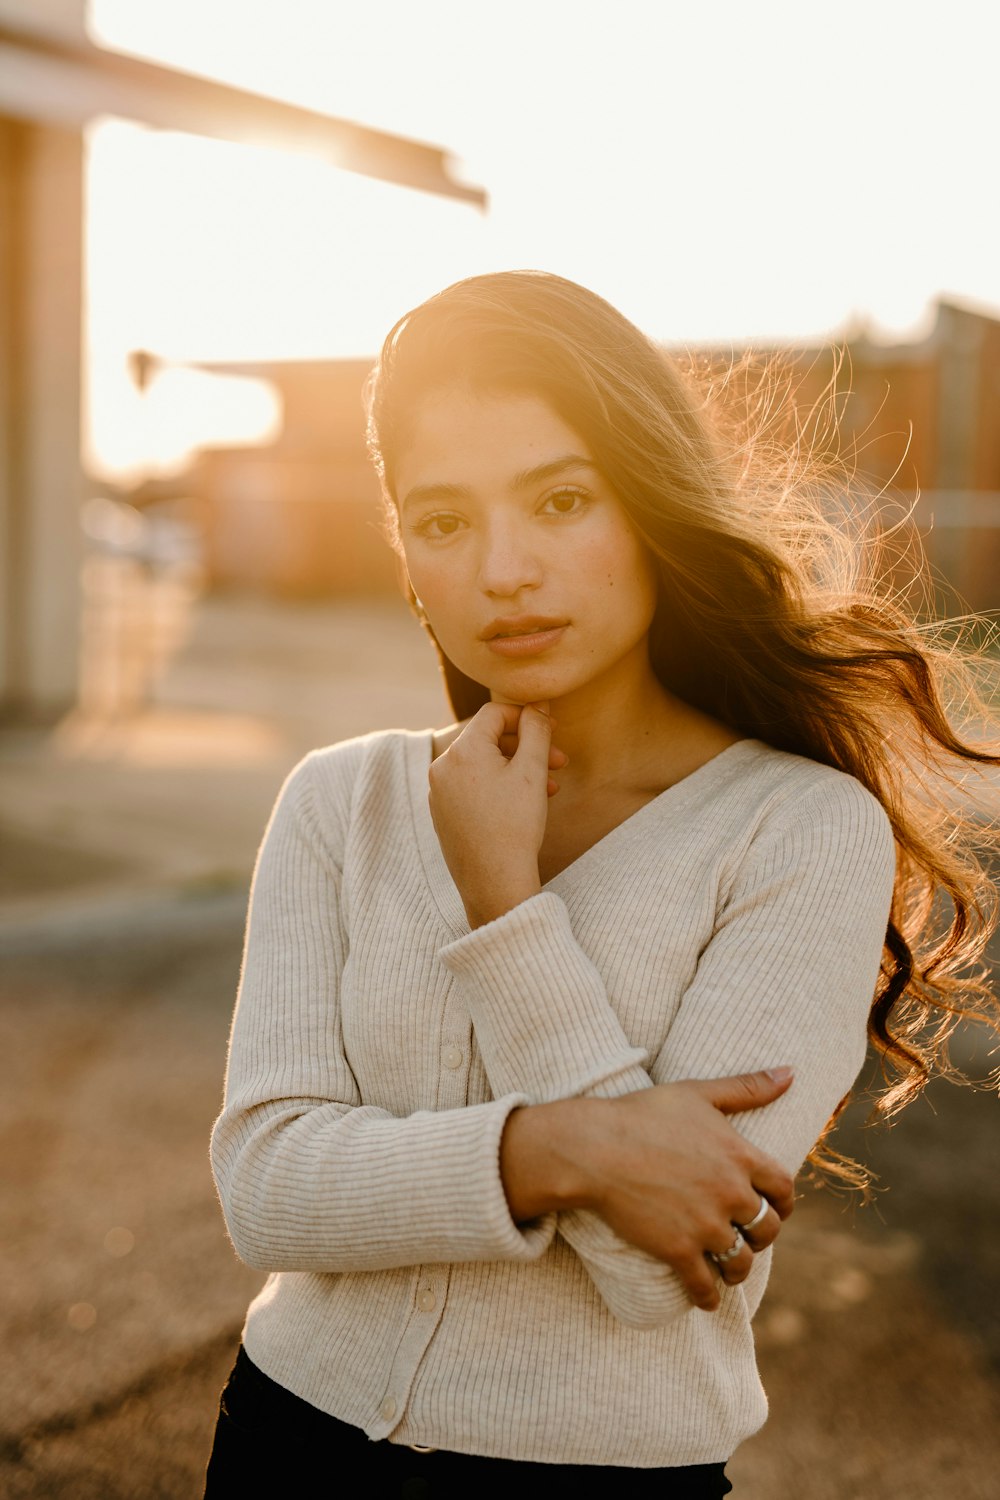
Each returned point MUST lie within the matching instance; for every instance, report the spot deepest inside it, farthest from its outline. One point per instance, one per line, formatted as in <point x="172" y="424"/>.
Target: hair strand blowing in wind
<point x="776" y="612"/>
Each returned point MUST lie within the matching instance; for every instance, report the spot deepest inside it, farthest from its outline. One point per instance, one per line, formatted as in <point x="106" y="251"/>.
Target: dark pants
<point x="271" y="1443"/>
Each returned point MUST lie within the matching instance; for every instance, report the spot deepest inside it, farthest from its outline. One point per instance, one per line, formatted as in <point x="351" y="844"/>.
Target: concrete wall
<point x="41" y="277"/>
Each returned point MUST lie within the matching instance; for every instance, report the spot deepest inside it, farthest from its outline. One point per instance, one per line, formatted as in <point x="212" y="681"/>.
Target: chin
<point x="528" y="689"/>
<point x="527" y="681"/>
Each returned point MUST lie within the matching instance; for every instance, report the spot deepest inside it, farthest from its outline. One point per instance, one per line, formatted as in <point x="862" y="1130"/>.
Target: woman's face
<point x="532" y="578"/>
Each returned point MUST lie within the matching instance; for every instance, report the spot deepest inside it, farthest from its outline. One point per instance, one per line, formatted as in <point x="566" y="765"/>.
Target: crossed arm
<point x="643" y="1167"/>
<point x="645" y="1157"/>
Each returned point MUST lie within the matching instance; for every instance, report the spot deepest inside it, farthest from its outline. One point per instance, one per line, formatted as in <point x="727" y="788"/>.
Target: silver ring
<point x="764" y="1206"/>
<point x="727" y="1255"/>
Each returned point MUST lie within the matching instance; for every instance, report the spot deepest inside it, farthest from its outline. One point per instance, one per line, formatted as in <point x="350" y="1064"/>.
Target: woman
<point x="523" y="1066"/>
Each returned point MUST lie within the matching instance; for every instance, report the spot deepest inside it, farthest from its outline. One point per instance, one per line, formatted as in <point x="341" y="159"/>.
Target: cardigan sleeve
<point x="309" y="1177"/>
<point x="787" y="977"/>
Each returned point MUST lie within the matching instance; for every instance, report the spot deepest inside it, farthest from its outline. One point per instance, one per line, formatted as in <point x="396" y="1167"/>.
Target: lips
<point x="523" y="636"/>
<point x="520" y="625"/>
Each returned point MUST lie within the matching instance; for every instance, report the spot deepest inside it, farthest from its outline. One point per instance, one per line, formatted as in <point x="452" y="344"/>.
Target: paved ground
<point x="128" y="852"/>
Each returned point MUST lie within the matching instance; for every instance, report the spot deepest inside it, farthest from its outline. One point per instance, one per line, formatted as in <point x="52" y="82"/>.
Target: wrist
<point x="544" y="1156"/>
<point x="498" y="900"/>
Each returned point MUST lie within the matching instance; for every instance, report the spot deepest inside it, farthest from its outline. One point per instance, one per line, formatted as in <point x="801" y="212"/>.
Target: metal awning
<point x="53" y="77"/>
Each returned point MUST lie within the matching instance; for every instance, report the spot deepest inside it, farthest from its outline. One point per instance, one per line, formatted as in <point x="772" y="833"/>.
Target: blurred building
<point x="302" y="516"/>
<point x="921" y="423"/>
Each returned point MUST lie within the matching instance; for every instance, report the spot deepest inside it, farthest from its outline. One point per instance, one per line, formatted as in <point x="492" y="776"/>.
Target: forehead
<point x="472" y="438"/>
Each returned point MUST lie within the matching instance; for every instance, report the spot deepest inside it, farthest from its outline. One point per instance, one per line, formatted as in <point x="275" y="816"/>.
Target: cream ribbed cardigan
<point x="733" y="923"/>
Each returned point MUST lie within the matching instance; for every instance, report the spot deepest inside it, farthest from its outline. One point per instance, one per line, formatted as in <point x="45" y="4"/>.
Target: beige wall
<point x="303" y="516"/>
<point x="41" y="197"/>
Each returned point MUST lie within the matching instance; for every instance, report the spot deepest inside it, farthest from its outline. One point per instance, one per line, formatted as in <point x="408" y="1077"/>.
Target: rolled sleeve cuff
<point x="543" y="1021"/>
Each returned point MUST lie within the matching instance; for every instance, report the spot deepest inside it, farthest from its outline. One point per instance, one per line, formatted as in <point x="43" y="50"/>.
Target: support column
<point x="41" y="278"/>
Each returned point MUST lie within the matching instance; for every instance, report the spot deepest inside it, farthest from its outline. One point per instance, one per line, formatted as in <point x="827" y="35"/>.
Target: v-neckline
<point x="419" y="750"/>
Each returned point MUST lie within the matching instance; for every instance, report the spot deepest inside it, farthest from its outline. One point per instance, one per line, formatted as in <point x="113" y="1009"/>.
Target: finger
<point x="492" y="722"/>
<point x="737" y="1267"/>
<point x="534" y="736"/>
<point x="551" y="787"/>
<point x="558" y="759"/>
<point x="775" y="1184"/>
<point x="699" y="1281"/>
<point x="765" y="1231"/>
<point x="745" y="1090"/>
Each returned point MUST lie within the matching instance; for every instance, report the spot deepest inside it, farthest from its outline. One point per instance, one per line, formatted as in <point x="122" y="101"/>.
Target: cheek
<point x="442" y="592"/>
<point x="647" y="584"/>
<point x="425" y="571"/>
<point x="629" y="572"/>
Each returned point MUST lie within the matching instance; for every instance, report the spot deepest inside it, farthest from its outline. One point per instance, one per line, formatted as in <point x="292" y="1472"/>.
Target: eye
<point x="438" y="525"/>
<point x="564" y="502"/>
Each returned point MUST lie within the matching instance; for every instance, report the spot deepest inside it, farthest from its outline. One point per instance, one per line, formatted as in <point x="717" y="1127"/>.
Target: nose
<point x="508" y="561"/>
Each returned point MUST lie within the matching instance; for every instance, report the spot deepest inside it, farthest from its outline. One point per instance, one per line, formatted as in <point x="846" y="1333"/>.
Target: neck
<point x="623" y="729"/>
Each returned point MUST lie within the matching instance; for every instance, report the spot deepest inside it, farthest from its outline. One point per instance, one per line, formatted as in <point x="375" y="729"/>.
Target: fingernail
<point x="779" y="1075"/>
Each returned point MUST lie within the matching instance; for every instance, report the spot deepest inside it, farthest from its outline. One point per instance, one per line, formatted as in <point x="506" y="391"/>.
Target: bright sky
<point x="720" y="171"/>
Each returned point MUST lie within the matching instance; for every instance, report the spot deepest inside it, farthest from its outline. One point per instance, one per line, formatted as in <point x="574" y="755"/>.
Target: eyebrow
<point x="521" y="481"/>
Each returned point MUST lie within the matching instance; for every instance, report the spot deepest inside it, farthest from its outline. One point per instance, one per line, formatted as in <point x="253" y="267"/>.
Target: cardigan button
<point x="453" y="1057"/>
<point x="388" y="1409"/>
<point x="426" y="1300"/>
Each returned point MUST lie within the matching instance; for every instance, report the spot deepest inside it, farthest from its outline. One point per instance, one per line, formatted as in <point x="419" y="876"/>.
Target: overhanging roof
<point x="56" y="78"/>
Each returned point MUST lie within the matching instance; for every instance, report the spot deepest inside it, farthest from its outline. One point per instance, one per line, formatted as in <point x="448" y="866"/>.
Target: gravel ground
<point x="119" y="956"/>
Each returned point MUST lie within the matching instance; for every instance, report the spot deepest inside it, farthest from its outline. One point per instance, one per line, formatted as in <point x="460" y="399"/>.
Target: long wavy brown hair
<point x="778" y="610"/>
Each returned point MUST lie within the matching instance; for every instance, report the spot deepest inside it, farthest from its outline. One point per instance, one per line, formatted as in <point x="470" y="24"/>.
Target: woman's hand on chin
<point x="488" y="798"/>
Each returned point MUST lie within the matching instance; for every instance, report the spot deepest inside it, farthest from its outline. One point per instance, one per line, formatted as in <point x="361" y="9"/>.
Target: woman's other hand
<point x="488" y="798"/>
<point x="662" y="1166"/>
